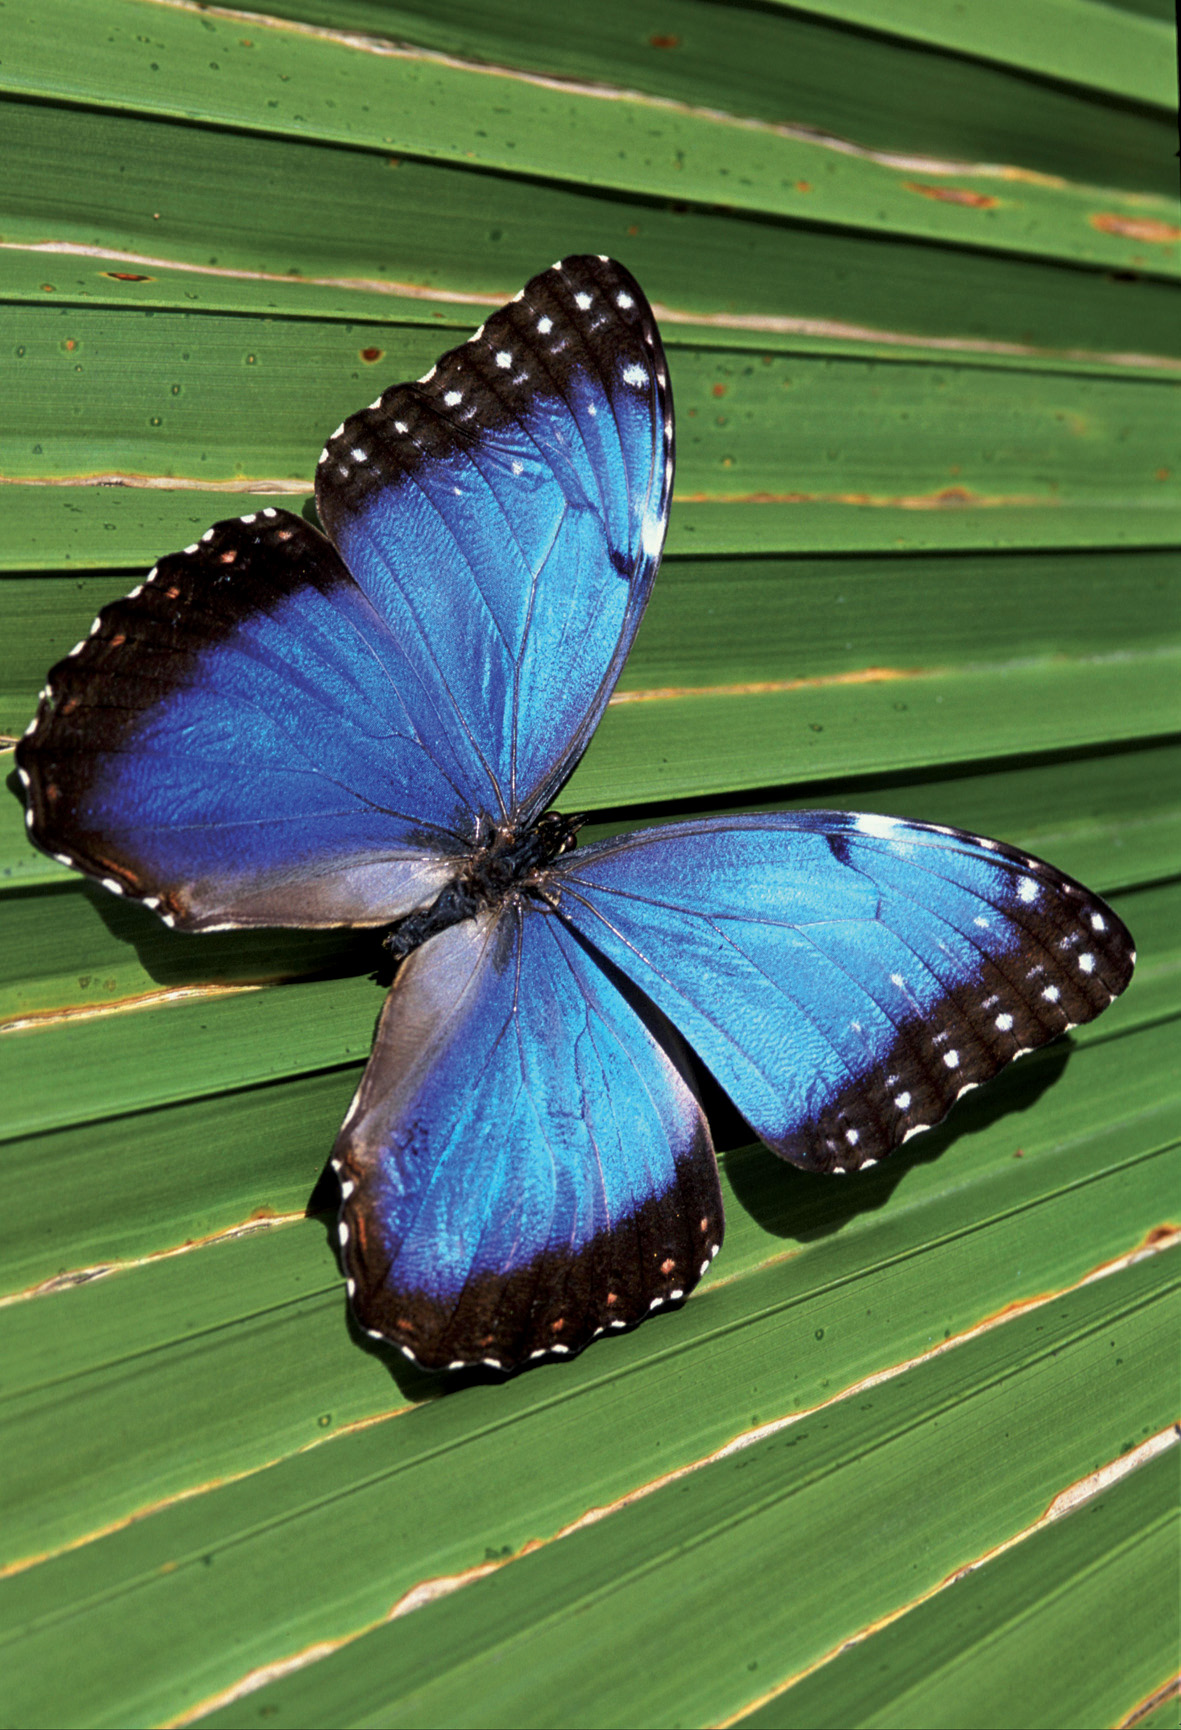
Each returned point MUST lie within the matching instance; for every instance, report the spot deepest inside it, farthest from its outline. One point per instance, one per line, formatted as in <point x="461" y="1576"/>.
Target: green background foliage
<point x="916" y="268"/>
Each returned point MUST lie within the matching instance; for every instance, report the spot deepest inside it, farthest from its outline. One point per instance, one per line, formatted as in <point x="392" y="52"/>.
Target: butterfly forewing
<point x="234" y="743"/>
<point x="506" y="514"/>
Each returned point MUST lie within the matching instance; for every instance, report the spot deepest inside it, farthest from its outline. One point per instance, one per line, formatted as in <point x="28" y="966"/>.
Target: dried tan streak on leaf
<point x="1073" y="1497"/>
<point x="954" y="195"/>
<point x="164" y="483"/>
<point x="1171" y="1690"/>
<point x="758" y="688"/>
<point x="1137" y="228"/>
<point x="866" y="676"/>
<point x="768" y="324"/>
<point x="145" y="1000"/>
<point x="391" y="49"/>
<point x="370" y="284"/>
<point x="414" y="1599"/>
<point x="263" y="1220"/>
<point x="23" y="1563"/>
<point x="1162" y="1237"/>
<point x="948" y="498"/>
<point x="777" y="325"/>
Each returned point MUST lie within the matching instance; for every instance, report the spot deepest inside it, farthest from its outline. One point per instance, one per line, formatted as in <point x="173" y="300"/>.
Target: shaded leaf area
<point x="1088" y="1589"/>
<point x="549" y="1638"/>
<point x="233" y="400"/>
<point x="146" y="58"/>
<point x="184" y="195"/>
<point x="925" y="91"/>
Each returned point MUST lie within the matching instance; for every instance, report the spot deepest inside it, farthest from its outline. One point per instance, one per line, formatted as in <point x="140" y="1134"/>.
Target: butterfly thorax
<point x="512" y="862"/>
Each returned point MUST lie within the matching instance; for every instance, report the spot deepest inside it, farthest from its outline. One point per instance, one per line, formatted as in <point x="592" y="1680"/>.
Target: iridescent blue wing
<point x="846" y="977"/>
<point x="259" y="736"/>
<point x="525" y="1164"/>
<point x="506" y="516"/>
<point x="239" y="742"/>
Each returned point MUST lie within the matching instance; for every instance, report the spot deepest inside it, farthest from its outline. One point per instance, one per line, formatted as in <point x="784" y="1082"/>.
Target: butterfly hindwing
<point x="506" y="515"/>
<point x="847" y="977"/>
<point x="233" y="744"/>
<point x="525" y="1164"/>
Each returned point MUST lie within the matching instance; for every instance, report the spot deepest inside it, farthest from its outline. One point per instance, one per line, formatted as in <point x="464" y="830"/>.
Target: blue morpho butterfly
<point x="367" y="728"/>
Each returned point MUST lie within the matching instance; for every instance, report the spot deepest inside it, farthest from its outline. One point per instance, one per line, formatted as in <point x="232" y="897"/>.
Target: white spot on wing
<point x="634" y="373"/>
<point x="1027" y="890"/>
<point x="885" y="828"/>
<point x="652" y="537"/>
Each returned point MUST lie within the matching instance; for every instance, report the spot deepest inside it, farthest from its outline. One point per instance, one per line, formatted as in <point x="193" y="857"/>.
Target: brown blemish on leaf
<point x="371" y="354"/>
<point x="1137" y="228"/>
<point x="953" y="195"/>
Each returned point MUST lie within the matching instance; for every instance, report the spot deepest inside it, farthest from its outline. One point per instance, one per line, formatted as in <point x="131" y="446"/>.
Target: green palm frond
<point x="916" y="268"/>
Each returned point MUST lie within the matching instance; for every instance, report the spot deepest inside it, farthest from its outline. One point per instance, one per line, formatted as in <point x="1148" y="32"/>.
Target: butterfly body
<point x="366" y="726"/>
<point x="511" y="863"/>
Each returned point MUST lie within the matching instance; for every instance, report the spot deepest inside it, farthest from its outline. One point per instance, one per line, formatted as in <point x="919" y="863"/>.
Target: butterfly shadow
<point x="805" y="1206"/>
<point x="264" y="955"/>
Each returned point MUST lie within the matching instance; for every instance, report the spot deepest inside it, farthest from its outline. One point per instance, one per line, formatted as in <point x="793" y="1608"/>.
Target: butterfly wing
<point x="847" y="977"/>
<point x="238" y="742"/>
<point x="525" y="1164"/>
<point x="506" y="515"/>
<point x="262" y="735"/>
